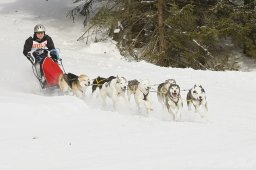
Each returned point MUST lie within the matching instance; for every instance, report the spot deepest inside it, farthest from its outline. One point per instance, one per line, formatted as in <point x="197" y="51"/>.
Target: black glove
<point x="40" y="52"/>
<point x="37" y="52"/>
<point x="54" y="57"/>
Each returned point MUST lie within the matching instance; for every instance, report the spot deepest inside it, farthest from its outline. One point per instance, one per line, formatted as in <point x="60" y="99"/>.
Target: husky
<point x="173" y="101"/>
<point x="162" y="90"/>
<point x="197" y="97"/>
<point x="114" y="88"/>
<point x="132" y="87"/>
<point x="71" y="82"/>
<point x="99" y="81"/>
<point x="141" y="95"/>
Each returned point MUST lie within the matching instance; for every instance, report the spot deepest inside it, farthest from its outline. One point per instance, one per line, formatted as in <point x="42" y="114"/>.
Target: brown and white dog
<point x="162" y="90"/>
<point x="173" y="101"/>
<point x="76" y="84"/>
<point x="132" y="87"/>
<point x="197" y="97"/>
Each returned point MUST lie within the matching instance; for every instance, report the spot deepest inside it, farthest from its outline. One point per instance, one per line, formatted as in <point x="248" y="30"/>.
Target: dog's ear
<point x="124" y="79"/>
<point x="86" y="77"/>
<point x="172" y="81"/>
<point x="202" y="89"/>
<point x="118" y="78"/>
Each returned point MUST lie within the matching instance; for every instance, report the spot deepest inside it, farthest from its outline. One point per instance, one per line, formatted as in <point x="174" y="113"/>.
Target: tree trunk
<point x="128" y="5"/>
<point x="162" y="42"/>
<point x="162" y="45"/>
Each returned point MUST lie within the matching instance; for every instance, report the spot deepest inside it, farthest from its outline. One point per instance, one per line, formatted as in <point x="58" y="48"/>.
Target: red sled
<point x="51" y="72"/>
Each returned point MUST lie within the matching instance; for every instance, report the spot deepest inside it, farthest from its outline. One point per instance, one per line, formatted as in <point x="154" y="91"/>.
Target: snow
<point x="66" y="133"/>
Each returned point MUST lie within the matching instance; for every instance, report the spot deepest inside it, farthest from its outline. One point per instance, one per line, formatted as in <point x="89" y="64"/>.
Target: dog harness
<point x="145" y="95"/>
<point x="98" y="81"/>
<point x="176" y="103"/>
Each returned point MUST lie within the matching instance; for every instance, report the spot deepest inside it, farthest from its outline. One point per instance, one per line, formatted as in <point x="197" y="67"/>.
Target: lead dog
<point x="162" y="90"/>
<point x="141" y="95"/>
<point x="197" y="97"/>
<point x="173" y="101"/>
<point x="74" y="83"/>
<point x="113" y="88"/>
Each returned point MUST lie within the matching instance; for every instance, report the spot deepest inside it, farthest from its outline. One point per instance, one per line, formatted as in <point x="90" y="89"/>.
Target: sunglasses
<point x="39" y="32"/>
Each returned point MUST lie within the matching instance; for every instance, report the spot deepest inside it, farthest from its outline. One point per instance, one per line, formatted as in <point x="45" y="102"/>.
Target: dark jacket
<point x="36" y="44"/>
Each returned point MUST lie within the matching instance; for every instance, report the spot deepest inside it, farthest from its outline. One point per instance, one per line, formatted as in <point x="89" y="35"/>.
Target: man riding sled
<point x="41" y="52"/>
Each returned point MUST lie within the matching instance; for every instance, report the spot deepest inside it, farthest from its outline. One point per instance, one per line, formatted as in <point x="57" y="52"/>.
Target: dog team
<point x="168" y="92"/>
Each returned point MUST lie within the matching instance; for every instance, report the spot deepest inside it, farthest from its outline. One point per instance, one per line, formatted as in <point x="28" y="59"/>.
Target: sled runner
<point x="46" y="67"/>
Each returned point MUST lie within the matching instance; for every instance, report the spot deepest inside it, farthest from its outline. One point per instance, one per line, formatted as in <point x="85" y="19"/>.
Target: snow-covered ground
<point x="41" y="132"/>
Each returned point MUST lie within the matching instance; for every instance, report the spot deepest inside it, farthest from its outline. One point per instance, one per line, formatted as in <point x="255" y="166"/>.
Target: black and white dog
<point x="197" y="97"/>
<point x="173" y="101"/>
<point x="162" y="90"/>
<point x="99" y="81"/>
<point x="112" y="87"/>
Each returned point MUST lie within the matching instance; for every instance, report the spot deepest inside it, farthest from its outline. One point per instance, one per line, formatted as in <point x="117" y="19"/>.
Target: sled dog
<point x="162" y="90"/>
<point x="141" y="95"/>
<point x="132" y="87"/>
<point x="197" y="97"/>
<point x="113" y="88"/>
<point x="173" y="101"/>
<point x="77" y="84"/>
<point x="99" y="81"/>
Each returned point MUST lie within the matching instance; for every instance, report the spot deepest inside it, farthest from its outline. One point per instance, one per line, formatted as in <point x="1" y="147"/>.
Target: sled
<point x="50" y="70"/>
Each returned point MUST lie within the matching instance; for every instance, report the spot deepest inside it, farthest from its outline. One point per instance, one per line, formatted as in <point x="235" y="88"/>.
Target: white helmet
<point x="39" y="28"/>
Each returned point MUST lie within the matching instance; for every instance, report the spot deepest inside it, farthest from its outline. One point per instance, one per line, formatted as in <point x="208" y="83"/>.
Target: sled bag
<point x="51" y="71"/>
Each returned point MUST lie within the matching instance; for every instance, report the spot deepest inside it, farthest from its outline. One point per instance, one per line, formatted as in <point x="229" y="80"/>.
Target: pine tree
<point x="179" y="33"/>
